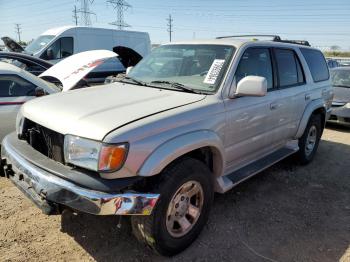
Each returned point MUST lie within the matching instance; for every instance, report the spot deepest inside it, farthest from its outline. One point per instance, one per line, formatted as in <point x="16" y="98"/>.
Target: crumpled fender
<point x="311" y="107"/>
<point x="180" y="145"/>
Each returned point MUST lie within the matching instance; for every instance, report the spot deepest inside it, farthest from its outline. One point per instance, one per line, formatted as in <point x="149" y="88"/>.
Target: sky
<point x="323" y="23"/>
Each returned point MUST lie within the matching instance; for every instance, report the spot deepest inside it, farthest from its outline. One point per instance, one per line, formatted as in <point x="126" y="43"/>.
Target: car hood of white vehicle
<point x="72" y="69"/>
<point x="96" y="111"/>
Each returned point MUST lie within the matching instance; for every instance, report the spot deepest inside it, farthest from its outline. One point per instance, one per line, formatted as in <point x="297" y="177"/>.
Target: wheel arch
<point x="315" y="107"/>
<point x="204" y="145"/>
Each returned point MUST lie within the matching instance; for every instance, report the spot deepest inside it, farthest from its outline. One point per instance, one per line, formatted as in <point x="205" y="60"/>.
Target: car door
<point x="250" y="129"/>
<point x="292" y="92"/>
<point x="14" y="91"/>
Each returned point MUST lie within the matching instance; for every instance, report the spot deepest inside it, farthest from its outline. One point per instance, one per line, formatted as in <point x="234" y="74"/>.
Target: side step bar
<point x="248" y="171"/>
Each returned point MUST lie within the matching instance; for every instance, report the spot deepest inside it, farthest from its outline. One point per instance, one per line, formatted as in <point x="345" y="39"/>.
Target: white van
<point x="58" y="43"/>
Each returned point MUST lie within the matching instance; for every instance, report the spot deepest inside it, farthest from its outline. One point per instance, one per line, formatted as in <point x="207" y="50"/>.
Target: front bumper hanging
<point x="49" y="191"/>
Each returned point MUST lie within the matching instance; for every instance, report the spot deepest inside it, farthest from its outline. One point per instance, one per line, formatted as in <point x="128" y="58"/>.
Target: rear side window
<point x="288" y="67"/>
<point x="14" y="86"/>
<point x="317" y="64"/>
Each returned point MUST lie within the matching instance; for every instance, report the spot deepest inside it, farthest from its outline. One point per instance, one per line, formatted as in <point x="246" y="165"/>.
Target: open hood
<point x="127" y="56"/>
<point x="12" y="45"/>
<point x="74" y="68"/>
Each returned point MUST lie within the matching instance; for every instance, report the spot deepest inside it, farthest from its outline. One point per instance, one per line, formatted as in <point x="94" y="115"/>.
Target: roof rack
<point x="298" y="42"/>
<point x="275" y="38"/>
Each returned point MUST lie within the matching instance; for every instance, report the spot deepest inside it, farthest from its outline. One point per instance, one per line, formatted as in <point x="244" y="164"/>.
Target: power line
<point x="18" y="28"/>
<point x="170" y="26"/>
<point x="75" y="16"/>
<point x="121" y="6"/>
<point x="85" y="12"/>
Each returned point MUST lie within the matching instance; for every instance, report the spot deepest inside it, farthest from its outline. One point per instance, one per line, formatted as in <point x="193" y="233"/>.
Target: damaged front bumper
<point x="51" y="192"/>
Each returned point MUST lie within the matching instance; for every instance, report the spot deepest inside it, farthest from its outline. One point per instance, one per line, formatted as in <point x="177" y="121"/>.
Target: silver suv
<point x="191" y="119"/>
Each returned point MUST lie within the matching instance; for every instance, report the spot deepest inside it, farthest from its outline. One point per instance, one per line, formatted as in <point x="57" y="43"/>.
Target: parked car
<point x="192" y="118"/>
<point x="332" y="63"/>
<point x="58" y="43"/>
<point x="17" y="86"/>
<point x="111" y="67"/>
<point x="341" y="103"/>
<point x="29" y="63"/>
<point x="345" y="64"/>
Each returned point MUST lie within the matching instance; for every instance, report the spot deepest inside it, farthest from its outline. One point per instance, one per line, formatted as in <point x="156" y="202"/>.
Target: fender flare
<point x="311" y="107"/>
<point x="178" y="146"/>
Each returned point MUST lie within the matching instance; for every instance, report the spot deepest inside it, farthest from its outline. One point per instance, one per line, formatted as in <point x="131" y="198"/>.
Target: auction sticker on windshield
<point x="214" y="71"/>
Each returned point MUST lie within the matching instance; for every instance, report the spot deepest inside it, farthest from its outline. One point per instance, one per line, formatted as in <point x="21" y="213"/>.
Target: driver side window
<point x="256" y="62"/>
<point x="61" y="48"/>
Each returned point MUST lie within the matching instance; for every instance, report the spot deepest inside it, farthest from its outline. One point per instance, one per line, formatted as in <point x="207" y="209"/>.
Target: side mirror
<point x="129" y="69"/>
<point x="251" y="86"/>
<point x="49" y="54"/>
<point x="39" y="92"/>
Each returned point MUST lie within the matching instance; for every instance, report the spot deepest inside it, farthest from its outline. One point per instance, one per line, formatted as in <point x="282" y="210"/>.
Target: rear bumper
<point x="50" y="191"/>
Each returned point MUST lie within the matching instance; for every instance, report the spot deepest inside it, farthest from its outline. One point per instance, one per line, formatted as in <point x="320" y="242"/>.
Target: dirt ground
<point x="286" y="213"/>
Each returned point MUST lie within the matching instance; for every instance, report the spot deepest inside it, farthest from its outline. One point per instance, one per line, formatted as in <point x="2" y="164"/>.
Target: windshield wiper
<point x="178" y="86"/>
<point x="138" y="82"/>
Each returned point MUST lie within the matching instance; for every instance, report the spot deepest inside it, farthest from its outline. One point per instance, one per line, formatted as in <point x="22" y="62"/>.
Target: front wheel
<point x="310" y="139"/>
<point x="186" y="194"/>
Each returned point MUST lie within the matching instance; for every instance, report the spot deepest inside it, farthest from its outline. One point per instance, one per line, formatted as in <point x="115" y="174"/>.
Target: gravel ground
<point x="286" y="213"/>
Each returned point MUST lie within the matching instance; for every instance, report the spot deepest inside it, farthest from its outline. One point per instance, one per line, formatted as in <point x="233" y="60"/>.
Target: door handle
<point x="307" y="97"/>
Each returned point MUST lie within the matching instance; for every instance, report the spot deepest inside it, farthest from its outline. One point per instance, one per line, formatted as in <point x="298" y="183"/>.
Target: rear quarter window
<point x="317" y="64"/>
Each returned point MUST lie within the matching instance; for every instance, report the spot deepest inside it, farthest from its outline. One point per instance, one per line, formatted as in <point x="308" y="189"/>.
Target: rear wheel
<point x="309" y="141"/>
<point x="2" y="173"/>
<point x="186" y="194"/>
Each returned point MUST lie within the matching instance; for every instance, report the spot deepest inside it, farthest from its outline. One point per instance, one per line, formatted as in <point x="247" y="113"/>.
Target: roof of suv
<point x="236" y="42"/>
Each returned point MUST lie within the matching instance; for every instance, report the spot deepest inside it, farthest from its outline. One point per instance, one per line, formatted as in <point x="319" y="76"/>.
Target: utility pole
<point x="18" y="28"/>
<point x="170" y="26"/>
<point x="121" y="6"/>
<point x="85" y="12"/>
<point x="75" y="16"/>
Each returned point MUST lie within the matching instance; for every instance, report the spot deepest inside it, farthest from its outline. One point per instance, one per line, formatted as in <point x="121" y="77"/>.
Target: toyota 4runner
<point x="191" y="119"/>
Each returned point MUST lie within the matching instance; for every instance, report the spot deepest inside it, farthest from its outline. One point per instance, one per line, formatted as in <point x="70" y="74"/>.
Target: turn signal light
<point x="112" y="157"/>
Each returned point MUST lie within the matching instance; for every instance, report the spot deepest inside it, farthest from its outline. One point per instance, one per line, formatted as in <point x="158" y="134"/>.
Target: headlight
<point x="94" y="155"/>
<point x="347" y="105"/>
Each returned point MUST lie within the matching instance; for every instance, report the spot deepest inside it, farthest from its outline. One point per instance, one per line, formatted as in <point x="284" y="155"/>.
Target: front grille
<point x="44" y="140"/>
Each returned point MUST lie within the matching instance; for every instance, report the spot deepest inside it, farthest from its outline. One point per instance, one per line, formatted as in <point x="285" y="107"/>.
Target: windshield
<point x="38" y="44"/>
<point x="341" y="77"/>
<point x="199" y="67"/>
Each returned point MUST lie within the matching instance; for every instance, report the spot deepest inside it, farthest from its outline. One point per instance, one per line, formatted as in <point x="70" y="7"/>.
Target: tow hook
<point x="6" y="169"/>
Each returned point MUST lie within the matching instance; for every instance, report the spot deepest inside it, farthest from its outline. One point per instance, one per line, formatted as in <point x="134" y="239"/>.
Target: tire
<point x="2" y="173"/>
<point x="308" y="143"/>
<point x="157" y="230"/>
